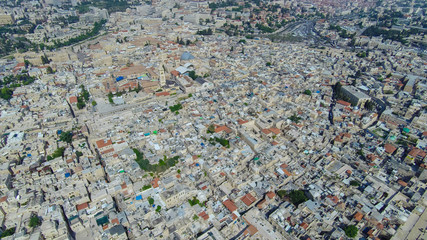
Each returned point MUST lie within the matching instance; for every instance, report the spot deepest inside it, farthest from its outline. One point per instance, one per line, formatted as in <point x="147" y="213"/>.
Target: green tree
<point x="193" y="201"/>
<point x="369" y="105"/>
<point x="193" y="75"/>
<point x="307" y="92"/>
<point x="150" y="201"/>
<point x="27" y="63"/>
<point x="294" y="118"/>
<point x="81" y="105"/>
<point x="110" y="97"/>
<point x="354" y="183"/>
<point x="6" y="93"/>
<point x="66" y="137"/>
<point x="158" y="208"/>
<point x="45" y="59"/>
<point x="49" y="70"/>
<point x="34" y="221"/>
<point x="8" y="232"/>
<point x="138" y="89"/>
<point x="176" y="107"/>
<point x="211" y="129"/>
<point x="351" y="231"/>
<point x="281" y="193"/>
<point x="94" y="103"/>
<point x="297" y="197"/>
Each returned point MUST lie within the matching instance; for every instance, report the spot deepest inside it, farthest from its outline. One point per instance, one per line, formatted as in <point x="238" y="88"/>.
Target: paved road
<point x="414" y="228"/>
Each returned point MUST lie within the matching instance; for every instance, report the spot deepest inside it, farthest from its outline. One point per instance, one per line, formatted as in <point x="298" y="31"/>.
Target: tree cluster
<point x="66" y="137"/>
<point x="162" y="166"/>
<point x="111" y="5"/>
<point x="264" y="29"/>
<point x="8" y="232"/>
<point x="59" y="152"/>
<point x="222" y="141"/>
<point x="205" y="32"/>
<point x="95" y="31"/>
<point x="34" y="221"/>
<point x="83" y="98"/>
<point x="296" y="197"/>
<point x="294" y="118"/>
<point x="176" y="107"/>
<point x="374" y="31"/>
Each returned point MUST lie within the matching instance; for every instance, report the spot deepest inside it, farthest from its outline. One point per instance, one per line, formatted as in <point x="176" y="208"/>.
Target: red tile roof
<point x="175" y="73"/>
<point x="304" y="225"/>
<point x="82" y="206"/>
<point x="223" y="128"/>
<point x="251" y="230"/>
<point x="241" y="122"/>
<point x="107" y="151"/>
<point x="230" y="205"/>
<point x="261" y="204"/>
<point x="116" y="221"/>
<point x="155" y="183"/>
<point x="204" y="215"/>
<point x="389" y="148"/>
<point x="344" y="103"/>
<point x="73" y="99"/>
<point x="334" y="199"/>
<point x="358" y="216"/>
<point x="265" y="131"/>
<point x="248" y="199"/>
<point x="275" y="130"/>
<point x="287" y="172"/>
<point x="101" y="143"/>
<point x="415" y="152"/>
<point x="271" y="195"/>
<point x="402" y="183"/>
<point x="159" y="94"/>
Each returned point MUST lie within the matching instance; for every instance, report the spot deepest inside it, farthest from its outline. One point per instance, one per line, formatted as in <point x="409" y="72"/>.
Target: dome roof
<point x="187" y="56"/>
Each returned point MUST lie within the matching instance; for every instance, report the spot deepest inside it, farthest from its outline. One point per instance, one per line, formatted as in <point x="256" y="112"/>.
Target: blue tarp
<point x="29" y="155"/>
<point x="59" y="132"/>
<point x="119" y="78"/>
<point x="67" y="174"/>
<point x="139" y="197"/>
<point x="146" y="134"/>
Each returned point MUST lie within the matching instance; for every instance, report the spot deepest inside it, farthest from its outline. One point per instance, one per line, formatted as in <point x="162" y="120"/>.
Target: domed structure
<point x="187" y="56"/>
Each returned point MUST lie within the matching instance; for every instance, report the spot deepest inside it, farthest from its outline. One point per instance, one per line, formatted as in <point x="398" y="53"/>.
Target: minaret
<point x="162" y="76"/>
